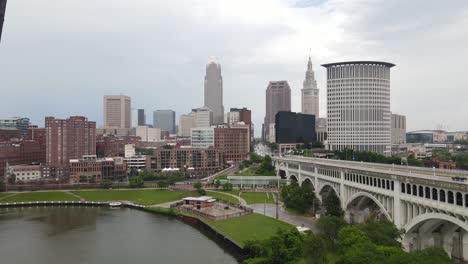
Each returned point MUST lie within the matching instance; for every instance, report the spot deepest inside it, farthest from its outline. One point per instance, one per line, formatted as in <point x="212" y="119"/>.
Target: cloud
<point x="60" y="58"/>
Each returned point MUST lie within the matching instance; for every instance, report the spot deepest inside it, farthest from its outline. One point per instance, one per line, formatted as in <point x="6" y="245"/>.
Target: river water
<point x="78" y="235"/>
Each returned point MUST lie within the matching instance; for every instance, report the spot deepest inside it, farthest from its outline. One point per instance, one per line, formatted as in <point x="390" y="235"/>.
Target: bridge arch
<point x="308" y="180"/>
<point x="328" y="185"/>
<point x="293" y="178"/>
<point x="430" y="216"/>
<point x="355" y="196"/>
<point x="437" y="230"/>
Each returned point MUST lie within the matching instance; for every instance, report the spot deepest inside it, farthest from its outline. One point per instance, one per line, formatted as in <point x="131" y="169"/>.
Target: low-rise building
<point x="199" y="202"/>
<point x="25" y="173"/>
<point x="90" y="169"/>
<point x="148" y="134"/>
<point x="136" y="162"/>
<point x="193" y="161"/>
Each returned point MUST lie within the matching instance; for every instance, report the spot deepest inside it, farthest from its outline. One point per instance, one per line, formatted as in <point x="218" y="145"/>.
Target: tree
<point x="298" y="198"/>
<point x="356" y="247"/>
<point x="11" y="179"/>
<point x="315" y="249"/>
<point x="286" y="246"/>
<point x="255" y="158"/>
<point x="382" y="232"/>
<point x="2" y="186"/>
<point x="197" y="185"/>
<point x="333" y="205"/>
<point x="106" y="184"/>
<point x="330" y="226"/>
<point x="227" y="186"/>
<point x="217" y="183"/>
<point x="132" y="172"/>
<point x="266" y="167"/>
<point x="162" y="184"/>
<point x="136" y="182"/>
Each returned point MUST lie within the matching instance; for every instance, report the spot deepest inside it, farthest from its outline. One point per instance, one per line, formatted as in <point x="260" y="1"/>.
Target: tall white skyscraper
<point x="117" y="112"/>
<point x="358" y="106"/>
<point x="214" y="90"/>
<point x="310" y="93"/>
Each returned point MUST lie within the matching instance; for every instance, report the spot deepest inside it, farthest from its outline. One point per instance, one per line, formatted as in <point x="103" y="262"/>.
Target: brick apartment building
<point x="69" y="139"/>
<point x="89" y="169"/>
<point x="197" y="161"/>
<point x="113" y="146"/>
<point x="21" y="152"/>
<point x="234" y="141"/>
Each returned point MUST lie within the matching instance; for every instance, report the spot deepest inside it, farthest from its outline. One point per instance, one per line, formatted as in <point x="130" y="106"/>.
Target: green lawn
<point x="223" y="197"/>
<point x="39" y="196"/>
<point x="4" y="195"/>
<point x="143" y="197"/>
<point x="249" y="227"/>
<point x="258" y="197"/>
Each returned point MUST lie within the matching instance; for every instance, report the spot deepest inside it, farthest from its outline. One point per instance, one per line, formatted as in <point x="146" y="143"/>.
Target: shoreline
<point x="224" y="241"/>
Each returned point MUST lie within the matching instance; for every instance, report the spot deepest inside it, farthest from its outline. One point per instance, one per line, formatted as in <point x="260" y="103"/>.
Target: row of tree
<point x="338" y="242"/>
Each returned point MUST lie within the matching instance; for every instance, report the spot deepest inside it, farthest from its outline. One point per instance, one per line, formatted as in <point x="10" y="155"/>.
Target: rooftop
<point x="388" y="64"/>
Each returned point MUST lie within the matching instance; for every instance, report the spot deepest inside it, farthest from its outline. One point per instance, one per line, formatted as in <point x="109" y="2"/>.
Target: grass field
<point x="249" y="227"/>
<point x="143" y="197"/>
<point x="39" y="196"/>
<point x="258" y="197"/>
<point x="223" y="197"/>
<point x="4" y="195"/>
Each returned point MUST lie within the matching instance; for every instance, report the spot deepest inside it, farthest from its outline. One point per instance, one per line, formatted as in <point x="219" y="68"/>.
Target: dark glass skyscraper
<point x="141" y="117"/>
<point x="2" y="15"/>
<point x="293" y="127"/>
<point x="165" y="120"/>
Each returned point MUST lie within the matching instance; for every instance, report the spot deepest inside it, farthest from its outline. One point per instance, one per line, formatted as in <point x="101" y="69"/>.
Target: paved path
<point x="296" y="220"/>
<point x="241" y="200"/>
<point x="74" y="195"/>
<point x="8" y="196"/>
<point x="165" y="205"/>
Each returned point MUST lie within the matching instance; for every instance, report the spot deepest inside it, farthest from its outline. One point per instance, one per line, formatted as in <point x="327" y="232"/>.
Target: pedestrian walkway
<point x="283" y="215"/>
<point x="241" y="200"/>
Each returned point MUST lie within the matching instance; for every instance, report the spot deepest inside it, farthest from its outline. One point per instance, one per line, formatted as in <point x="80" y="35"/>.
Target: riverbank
<point x="237" y="230"/>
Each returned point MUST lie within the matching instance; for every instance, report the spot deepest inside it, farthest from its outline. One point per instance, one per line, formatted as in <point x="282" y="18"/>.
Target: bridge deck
<point x="405" y="171"/>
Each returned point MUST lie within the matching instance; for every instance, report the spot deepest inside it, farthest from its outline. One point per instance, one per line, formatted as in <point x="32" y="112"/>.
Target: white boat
<point x="115" y="204"/>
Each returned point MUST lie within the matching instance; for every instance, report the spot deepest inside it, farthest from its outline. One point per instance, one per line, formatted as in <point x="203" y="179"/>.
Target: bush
<point x="227" y="186"/>
<point x="106" y="184"/>
<point x="197" y="185"/>
<point x="136" y="182"/>
<point x="201" y="192"/>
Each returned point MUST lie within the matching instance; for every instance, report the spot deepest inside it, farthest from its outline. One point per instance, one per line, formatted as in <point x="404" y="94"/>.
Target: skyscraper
<point x="214" y="90"/>
<point x="278" y="98"/>
<point x="69" y="139"/>
<point x="310" y="93"/>
<point x="2" y="15"/>
<point x="117" y="112"/>
<point x="141" y="117"/>
<point x="165" y="120"/>
<point x="203" y="117"/>
<point x="358" y="106"/>
<point x="186" y="123"/>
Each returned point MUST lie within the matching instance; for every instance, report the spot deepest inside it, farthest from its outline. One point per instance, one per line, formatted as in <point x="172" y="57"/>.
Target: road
<point x="296" y="220"/>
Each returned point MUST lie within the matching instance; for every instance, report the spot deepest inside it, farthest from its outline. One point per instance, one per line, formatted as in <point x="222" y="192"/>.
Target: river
<point x="79" y="235"/>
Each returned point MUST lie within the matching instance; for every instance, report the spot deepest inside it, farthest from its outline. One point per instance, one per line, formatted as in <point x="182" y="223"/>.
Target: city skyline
<point x="143" y="71"/>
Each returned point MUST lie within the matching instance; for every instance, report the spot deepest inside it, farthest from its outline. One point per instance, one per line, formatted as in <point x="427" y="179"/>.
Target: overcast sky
<point x="59" y="57"/>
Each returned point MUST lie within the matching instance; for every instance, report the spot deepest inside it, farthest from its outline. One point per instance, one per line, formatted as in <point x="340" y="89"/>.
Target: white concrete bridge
<point x="428" y="204"/>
